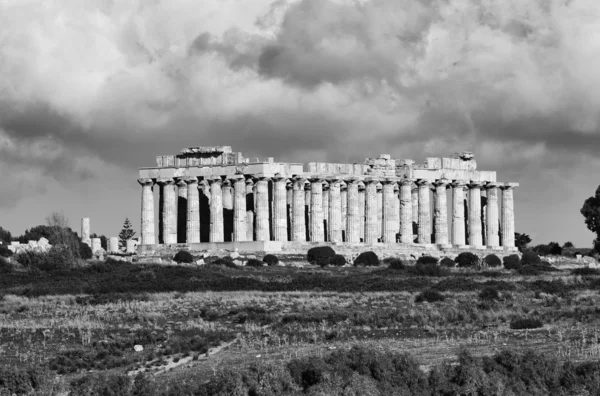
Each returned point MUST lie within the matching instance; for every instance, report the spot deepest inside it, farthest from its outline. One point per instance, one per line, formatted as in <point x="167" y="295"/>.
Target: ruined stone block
<point x="159" y="161"/>
<point x="433" y="163"/>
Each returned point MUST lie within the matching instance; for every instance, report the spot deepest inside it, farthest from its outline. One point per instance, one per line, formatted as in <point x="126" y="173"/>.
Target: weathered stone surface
<point x="240" y="232"/>
<point x="279" y="209"/>
<point x="372" y="229"/>
<point x="491" y="220"/>
<point x="216" y="211"/>
<point x="508" y="215"/>
<point x="263" y="229"/>
<point x="131" y="246"/>
<point x="192" y="229"/>
<point x="96" y="245"/>
<point x="169" y="210"/>
<point x="424" y="225"/>
<point x="298" y="211"/>
<point x="458" y="213"/>
<point x="335" y="211"/>
<point x="390" y="213"/>
<point x="406" y="211"/>
<point x="147" y="227"/>
<point x="316" y="211"/>
<point x="440" y="212"/>
<point x="85" y="231"/>
<point x="475" y="236"/>
<point x="113" y="245"/>
<point x="353" y="222"/>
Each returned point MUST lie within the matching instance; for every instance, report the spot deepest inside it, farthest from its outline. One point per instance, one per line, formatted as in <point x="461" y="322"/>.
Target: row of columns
<point x="362" y="214"/>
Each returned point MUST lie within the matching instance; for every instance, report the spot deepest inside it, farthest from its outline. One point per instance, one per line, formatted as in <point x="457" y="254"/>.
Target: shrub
<point x="525" y="323"/>
<point x="427" y="260"/>
<point x="85" y="252"/>
<point x="368" y="259"/>
<point x="270" y="259"/>
<point x="467" y="259"/>
<point x="530" y="258"/>
<point x="585" y="271"/>
<point x="5" y="266"/>
<point x="447" y="262"/>
<point x="489" y="294"/>
<point x="320" y="255"/>
<point x="555" y="248"/>
<point x="338" y="260"/>
<point x="254" y="263"/>
<point x="58" y="257"/>
<point x="5" y="251"/>
<point x="512" y="262"/>
<point x="429" y="296"/>
<point x="183" y="256"/>
<point x="225" y="261"/>
<point x="427" y="270"/>
<point x="394" y="263"/>
<point x="492" y="260"/>
<point x="542" y="250"/>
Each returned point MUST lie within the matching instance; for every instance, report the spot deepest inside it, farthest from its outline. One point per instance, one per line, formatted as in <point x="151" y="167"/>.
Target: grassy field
<point x="193" y="322"/>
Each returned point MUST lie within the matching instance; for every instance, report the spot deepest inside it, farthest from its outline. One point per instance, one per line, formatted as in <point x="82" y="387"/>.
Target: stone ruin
<point x="212" y="198"/>
<point x="112" y="242"/>
<point x="41" y="245"/>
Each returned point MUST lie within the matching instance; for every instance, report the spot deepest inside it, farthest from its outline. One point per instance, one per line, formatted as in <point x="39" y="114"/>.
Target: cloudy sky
<point x="92" y="90"/>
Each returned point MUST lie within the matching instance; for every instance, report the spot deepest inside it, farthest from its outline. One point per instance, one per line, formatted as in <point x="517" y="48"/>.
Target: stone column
<point x="239" y="209"/>
<point x="182" y="194"/>
<point x="508" y="215"/>
<point x="475" y="237"/>
<point x="263" y="231"/>
<point x="441" y="212"/>
<point x="227" y="194"/>
<point x="326" y="211"/>
<point x="335" y="211"/>
<point x="85" y="226"/>
<point x="169" y="211"/>
<point x="415" y="204"/>
<point x="371" y="230"/>
<point x="307" y="204"/>
<point x="298" y="211"/>
<point x="406" y="211"/>
<point x="424" y="230"/>
<point x="353" y="216"/>
<point x="192" y="229"/>
<point x="216" y="211"/>
<point x="279" y="209"/>
<point x="97" y="245"/>
<point x="491" y="217"/>
<point x="380" y="212"/>
<point x="458" y="213"/>
<point x="361" y="209"/>
<point x="250" y="198"/>
<point x="130" y="246"/>
<point x="113" y="245"/>
<point x="390" y="213"/>
<point x="289" y="190"/>
<point x="316" y="211"/>
<point x="344" y="208"/>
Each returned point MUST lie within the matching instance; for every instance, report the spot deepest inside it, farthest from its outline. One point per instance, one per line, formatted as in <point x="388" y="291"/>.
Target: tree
<point x="522" y="240"/>
<point x="568" y="245"/>
<point x="5" y="236"/>
<point x="126" y="233"/>
<point x="61" y="234"/>
<point x="591" y="211"/>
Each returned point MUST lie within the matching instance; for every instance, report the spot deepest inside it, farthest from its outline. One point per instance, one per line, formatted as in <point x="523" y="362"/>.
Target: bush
<point x="254" y="263"/>
<point x="225" y="261"/>
<point x="525" y="323"/>
<point x="467" y="259"/>
<point x="338" y="260"/>
<point x="489" y="294"/>
<point x="585" y="271"/>
<point x="85" y="252"/>
<point x="5" y="266"/>
<point x="536" y="269"/>
<point x="492" y="260"/>
<point x="512" y="262"/>
<point x="368" y="259"/>
<point x="5" y="251"/>
<point x="542" y="250"/>
<point x="427" y="260"/>
<point x="394" y="263"/>
<point x="530" y="258"/>
<point x="447" y="262"/>
<point x="183" y="256"/>
<point x="58" y="257"/>
<point x="320" y="255"/>
<point x="270" y="259"/>
<point x="428" y="270"/>
<point x="429" y="296"/>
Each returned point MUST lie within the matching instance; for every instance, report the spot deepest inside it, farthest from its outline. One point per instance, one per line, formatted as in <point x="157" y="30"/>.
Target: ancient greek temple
<point x="213" y="198"/>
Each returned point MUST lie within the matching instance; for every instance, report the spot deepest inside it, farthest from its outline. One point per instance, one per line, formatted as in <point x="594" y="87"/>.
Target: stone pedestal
<point x="424" y="230"/>
<point x="169" y="210"/>
<point x="508" y="215"/>
<point x="390" y="213"/>
<point x="279" y="209"/>
<point x="147" y="216"/>
<point x="441" y="212"/>
<point x="458" y="213"/>
<point x="492" y="221"/>
<point x="316" y="211"/>
<point x="240" y="233"/>
<point x="113" y="245"/>
<point x="216" y="211"/>
<point x="406" y="211"/>
<point x="372" y="231"/>
<point x="263" y="232"/>
<point x="298" y="211"/>
<point x="475" y="236"/>
<point x="192" y="229"/>
<point x="335" y="211"/>
<point x="353" y="223"/>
